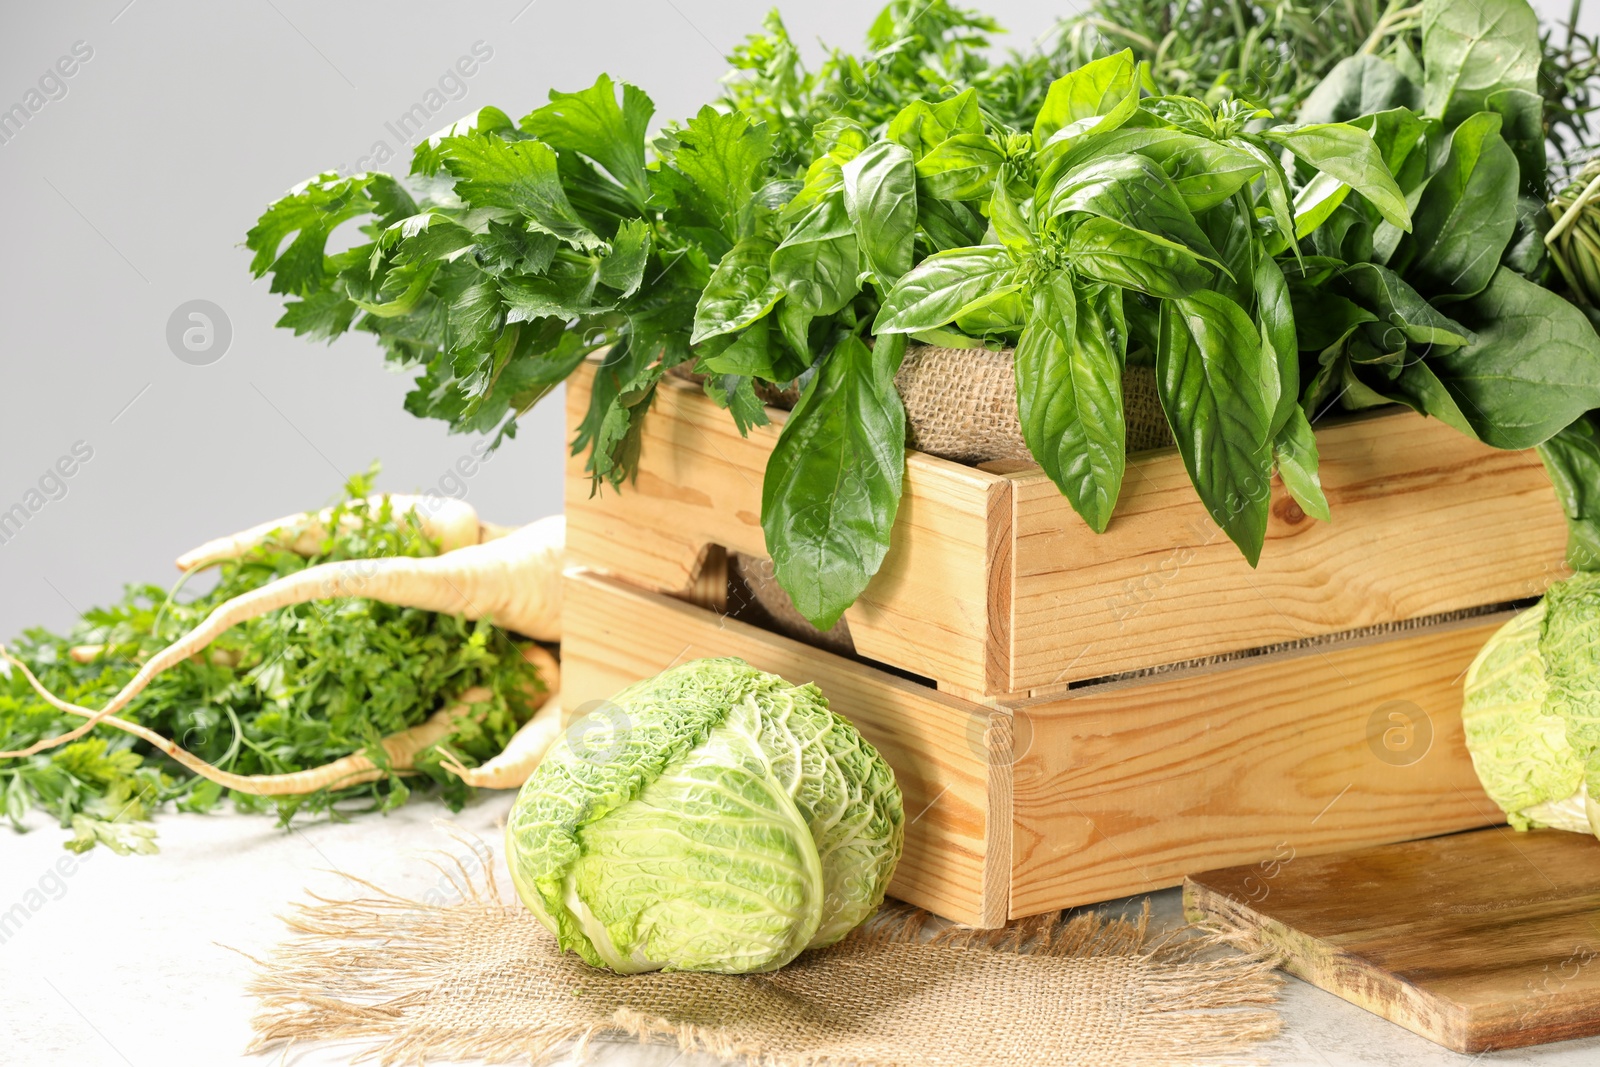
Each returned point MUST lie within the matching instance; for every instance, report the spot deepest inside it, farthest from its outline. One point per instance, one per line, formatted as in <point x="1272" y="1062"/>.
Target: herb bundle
<point x="289" y="691"/>
<point x="815" y="223"/>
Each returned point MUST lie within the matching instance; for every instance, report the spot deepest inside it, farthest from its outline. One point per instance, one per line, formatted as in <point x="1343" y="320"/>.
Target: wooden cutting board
<point x="1481" y="940"/>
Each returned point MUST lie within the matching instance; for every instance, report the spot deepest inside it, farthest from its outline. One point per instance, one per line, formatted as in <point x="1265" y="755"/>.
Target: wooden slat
<point x="1123" y="789"/>
<point x="1478" y="941"/>
<point x="613" y="635"/>
<point x="928" y="609"/>
<point x="1425" y="521"/>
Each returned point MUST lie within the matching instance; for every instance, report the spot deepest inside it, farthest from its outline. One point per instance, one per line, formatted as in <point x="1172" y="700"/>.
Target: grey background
<point x="128" y="197"/>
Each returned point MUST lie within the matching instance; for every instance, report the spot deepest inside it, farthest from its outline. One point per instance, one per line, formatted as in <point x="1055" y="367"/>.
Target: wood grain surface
<point x="1425" y="521"/>
<point x="928" y="609"/>
<point x="1125" y="788"/>
<point x="994" y="588"/>
<point x="958" y="823"/>
<point x="1478" y="941"/>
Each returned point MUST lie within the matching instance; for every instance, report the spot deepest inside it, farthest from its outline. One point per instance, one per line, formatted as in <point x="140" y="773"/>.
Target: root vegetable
<point x="453" y="523"/>
<point x="514" y="580"/>
<point x="522" y="753"/>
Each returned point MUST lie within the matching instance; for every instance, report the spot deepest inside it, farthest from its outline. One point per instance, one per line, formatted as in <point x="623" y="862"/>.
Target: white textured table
<point x="119" y="962"/>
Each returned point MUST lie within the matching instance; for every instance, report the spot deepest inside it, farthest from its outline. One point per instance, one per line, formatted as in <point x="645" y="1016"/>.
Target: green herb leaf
<point x="1208" y="369"/>
<point x="520" y="175"/>
<point x="592" y="123"/>
<point x="1472" y="50"/>
<point x="741" y="290"/>
<point x="1348" y="154"/>
<point x="880" y="196"/>
<point x="833" y="481"/>
<point x="943" y="286"/>
<point x="1069" y="399"/>
<point x="1295" y="450"/>
<point x="1109" y="251"/>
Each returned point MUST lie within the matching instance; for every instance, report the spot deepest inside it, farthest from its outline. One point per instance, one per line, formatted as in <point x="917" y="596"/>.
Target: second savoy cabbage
<point x="712" y="818"/>
<point x="1532" y="711"/>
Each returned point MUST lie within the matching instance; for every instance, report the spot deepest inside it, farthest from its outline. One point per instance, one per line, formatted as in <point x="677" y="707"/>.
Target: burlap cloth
<point x="961" y="404"/>
<point x="482" y="980"/>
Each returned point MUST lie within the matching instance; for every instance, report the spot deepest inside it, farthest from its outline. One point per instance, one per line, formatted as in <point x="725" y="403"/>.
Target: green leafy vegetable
<point x="712" y="818"/>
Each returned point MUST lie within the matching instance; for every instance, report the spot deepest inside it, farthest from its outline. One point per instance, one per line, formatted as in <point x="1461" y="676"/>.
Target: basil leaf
<point x="1096" y="98"/>
<point x="1466" y="215"/>
<point x="1533" y="367"/>
<point x="1316" y="202"/>
<point x="520" y="175"/>
<point x="942" y="286"/>
<point x="590" y="122"/>
<point x="1295" y="449"/>
<point x="818" y="263"/>
<point x="921" y="126"/>
<point x="1005" y="215"/>
<point x="1472" y="50"/>
<point x="1132" y="190"/>
<point x="1276" y="185"/>
<point x="880" y="196"/>
<point x="741" y="290"/>
<point x="1069" y="399"/>
<point x="750" y="355"/>
<point x="1350" y="155"/>
<point x="833" y="481"/>
<point x="1208" y="369"/>
<point x="1279" y="342"/>
<point x="1109" y="251"/>
<point x="962" y="167"/>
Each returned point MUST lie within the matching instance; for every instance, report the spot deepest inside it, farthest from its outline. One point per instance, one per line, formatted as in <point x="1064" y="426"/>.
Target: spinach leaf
<point x="942" y="286"/>
<point x="880" y="196"/>
<point x="1400" y="307"/>
<point x="1470" y="50"/>
<point x="1069" y="399"/>
<point x="1466" y="215"/>
<point x="1533" y="367"/>
<point x="1209" y="367"/>
<point x="1359" y="85"/>
<point x="833" y="481"/>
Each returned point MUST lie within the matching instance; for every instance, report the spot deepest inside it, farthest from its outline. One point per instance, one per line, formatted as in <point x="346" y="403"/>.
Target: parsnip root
<point x="402" y="748"/>
<point x="522" y="753"/>
<point x="453" y="523"/>
<point x="514" y="580"/>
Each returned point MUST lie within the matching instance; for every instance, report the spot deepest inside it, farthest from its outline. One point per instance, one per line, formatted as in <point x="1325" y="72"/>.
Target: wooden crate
<point x="1018" y="807"/>
<point x="995" y="588"/>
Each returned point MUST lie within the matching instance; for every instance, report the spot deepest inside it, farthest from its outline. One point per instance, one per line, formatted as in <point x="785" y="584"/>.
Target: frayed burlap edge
<point x="362" y="970"/>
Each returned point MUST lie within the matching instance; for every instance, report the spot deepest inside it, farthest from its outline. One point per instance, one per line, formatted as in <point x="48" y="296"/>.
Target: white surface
<point x="124" y="964"/>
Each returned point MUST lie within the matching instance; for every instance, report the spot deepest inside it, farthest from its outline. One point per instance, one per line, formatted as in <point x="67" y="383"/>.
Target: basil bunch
<point x="1113" y="229"/>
